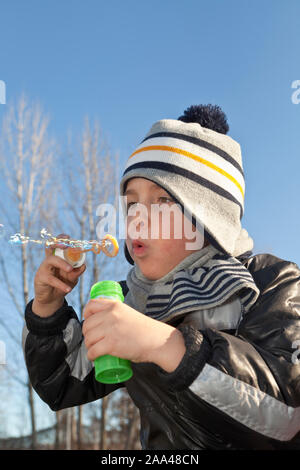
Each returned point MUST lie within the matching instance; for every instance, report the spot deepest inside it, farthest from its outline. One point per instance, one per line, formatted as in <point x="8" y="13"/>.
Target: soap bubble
<point x="108" y="245"/>
<point x="17" y="239"/>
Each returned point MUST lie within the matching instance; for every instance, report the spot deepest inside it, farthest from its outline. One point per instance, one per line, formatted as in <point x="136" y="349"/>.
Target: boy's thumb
<point x="81" y="269"/>
<point x="74" y="275"/>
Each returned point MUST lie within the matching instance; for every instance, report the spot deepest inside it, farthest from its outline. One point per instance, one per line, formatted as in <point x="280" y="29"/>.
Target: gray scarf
<point x="199" y="284"/>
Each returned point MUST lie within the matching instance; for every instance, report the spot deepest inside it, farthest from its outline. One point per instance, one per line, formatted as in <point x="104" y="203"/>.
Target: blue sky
<point x="131" y="63"/>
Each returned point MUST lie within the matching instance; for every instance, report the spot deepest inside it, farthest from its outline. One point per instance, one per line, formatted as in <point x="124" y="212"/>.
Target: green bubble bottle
<point x="110" y="369"/>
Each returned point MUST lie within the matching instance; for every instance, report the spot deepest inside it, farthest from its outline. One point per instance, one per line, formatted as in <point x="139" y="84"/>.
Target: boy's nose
<point x="141" y="212"/>
<point x="142" y="228"/>
<point x="139" y="224"/>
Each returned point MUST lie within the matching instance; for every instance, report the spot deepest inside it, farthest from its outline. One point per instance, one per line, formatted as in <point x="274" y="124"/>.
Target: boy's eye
<point x="162" y="199"/>
<point x="166" y="199"/>
<point x="129" y="205"/>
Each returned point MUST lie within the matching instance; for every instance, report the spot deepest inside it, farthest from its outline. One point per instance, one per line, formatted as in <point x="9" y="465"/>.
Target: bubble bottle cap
<point x="110" y="289"/>
<point x="110" y="369"/>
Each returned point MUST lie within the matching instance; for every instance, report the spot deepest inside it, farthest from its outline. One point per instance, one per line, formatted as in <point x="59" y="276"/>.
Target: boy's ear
<point x="127" y="255"/>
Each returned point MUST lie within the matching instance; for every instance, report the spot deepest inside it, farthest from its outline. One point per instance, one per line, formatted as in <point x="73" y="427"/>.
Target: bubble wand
<point x="75" y="251"/>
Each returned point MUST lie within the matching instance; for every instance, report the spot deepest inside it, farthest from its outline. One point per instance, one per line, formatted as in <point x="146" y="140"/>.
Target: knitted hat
<point x="197" y="164"/>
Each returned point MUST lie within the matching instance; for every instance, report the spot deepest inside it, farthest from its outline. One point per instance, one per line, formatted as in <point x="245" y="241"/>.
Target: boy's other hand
<point x="53" y="280"/>
<point x="112" y="327"/>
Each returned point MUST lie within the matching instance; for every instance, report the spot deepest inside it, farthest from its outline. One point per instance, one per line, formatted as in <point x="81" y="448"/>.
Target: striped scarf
<point x="204" y="279"/>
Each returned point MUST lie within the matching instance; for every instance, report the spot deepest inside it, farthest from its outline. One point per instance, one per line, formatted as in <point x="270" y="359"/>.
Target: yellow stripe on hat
<point x="193" y="157"/>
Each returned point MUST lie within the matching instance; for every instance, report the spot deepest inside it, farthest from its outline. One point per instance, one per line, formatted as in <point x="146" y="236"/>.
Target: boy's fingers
<point x="62" y="246"/>
<point x="100" y="348"/>
<point x="81" y="268"/>
<point x="96" y="305"/>
<point x="49" y="250"/>
<point x="92" y="337"/>
<point x="55" y="261"/>
<point x="94" y="321"/>
<point x="76" y="272"/>
<point x="57" y="283"/>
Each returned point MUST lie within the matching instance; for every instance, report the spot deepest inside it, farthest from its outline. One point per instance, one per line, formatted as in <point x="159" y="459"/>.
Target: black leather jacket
<point x="234" y="389"/>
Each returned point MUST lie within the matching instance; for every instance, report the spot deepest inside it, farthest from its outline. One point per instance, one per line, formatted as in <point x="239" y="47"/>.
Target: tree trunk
<point x="73" y="429"/>
<point x="32" y="417"/>
<point x="68" y="429"/>
<point x="132" y="430"/>
<point x="103" y="423"/>
<point x="79" y="427"/>
<point x="57" y="430"/>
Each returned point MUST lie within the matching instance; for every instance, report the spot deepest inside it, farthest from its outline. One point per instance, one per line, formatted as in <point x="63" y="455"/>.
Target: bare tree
<point x="34" y="197"/>
<point x="122" y="422"/>
<point x="28" y="200"/>
<point x="57" y="430"/>
<point x="91" y="173"/>
<point x="123" y="411"/>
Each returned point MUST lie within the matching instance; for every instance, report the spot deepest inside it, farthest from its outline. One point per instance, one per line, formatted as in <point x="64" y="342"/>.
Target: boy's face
<point x="157" y="222"/>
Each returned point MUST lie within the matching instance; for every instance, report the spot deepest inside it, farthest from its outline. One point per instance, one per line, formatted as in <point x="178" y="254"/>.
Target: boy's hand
<point x="112" y="327"/>
<point x="53" y="280"/>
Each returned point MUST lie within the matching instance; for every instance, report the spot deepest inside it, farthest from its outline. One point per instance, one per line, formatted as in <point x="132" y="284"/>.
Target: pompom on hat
<point x="194" y="160"/>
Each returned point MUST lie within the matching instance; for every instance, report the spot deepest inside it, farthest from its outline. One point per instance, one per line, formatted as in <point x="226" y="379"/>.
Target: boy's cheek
<point x="172" y="247"/>
<point x="166" y="248"/>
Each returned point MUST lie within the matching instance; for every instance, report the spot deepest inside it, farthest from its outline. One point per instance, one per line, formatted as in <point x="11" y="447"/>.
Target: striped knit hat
<point x="197" y="164"/>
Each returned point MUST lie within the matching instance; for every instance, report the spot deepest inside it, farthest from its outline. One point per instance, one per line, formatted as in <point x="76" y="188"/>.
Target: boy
<point x="210" y="330"/>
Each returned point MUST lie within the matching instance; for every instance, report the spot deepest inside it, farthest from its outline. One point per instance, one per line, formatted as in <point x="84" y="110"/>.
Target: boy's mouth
<point x="138" y="247"/>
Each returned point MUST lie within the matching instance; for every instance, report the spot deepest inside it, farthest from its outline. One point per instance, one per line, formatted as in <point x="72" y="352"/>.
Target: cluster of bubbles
<point x="108" y="245"/>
